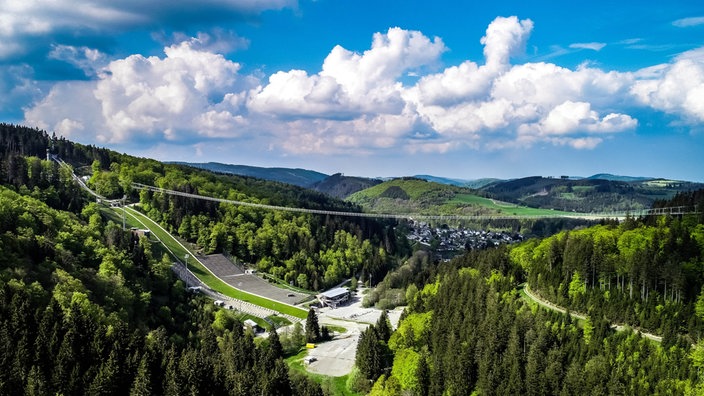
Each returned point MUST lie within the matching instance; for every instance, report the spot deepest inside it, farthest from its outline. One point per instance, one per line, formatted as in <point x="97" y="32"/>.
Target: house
<point x="333" y="298"/>
<point x="249" y="323"/>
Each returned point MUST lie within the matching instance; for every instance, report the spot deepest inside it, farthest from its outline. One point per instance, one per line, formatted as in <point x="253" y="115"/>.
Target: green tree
<point x="369" y="357"/>
<point x="383" y="327"/>
<point x="312" y="327"/>
<point x="142" y="386"/>
<point x="422" y="375"/>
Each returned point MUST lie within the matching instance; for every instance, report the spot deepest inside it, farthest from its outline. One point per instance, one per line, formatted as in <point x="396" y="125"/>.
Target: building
<point x="333" y="298"/>
<point x="249" y="323"/>
<point x="138" y="233"/>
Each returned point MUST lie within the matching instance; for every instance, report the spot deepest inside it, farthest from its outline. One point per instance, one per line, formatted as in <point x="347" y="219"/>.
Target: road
<point x="547" y="304"/>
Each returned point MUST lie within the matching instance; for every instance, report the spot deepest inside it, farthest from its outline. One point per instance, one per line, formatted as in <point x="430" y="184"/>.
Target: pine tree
<point x="383" y="328"/>
<point x="423" y="376"/>
<point x="325" y="334"/>
<point x="369" y="354"/>
<point x="312" y="327"/>
<point x="142" y="385"/>
<point x="276" y="350"/>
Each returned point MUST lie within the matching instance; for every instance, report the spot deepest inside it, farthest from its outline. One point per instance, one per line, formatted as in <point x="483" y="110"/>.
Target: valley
<point x="81" y="286"/>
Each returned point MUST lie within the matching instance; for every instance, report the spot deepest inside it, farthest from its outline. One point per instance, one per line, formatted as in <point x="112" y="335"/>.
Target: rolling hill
<point x="296" y="176"/>
<point x="414" y="195"/>
<point x="599" y="193"/>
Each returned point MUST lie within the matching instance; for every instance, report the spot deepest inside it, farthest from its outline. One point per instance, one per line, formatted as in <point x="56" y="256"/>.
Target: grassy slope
<point x="179" y="251"/>
<point x="435" y="198"/>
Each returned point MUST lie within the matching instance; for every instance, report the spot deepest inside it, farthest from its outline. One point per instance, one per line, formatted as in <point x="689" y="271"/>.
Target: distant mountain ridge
<point x="341" y="186"/>
<point x="609" y="176"/>
<point x="598" y="193"/>
<point x="296" y="176"/>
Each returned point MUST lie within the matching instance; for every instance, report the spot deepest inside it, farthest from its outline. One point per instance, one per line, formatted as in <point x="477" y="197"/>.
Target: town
<point x="445" y="239"/>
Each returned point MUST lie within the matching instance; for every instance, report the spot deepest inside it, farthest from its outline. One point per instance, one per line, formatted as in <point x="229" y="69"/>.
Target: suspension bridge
<point x="671" y="211"/>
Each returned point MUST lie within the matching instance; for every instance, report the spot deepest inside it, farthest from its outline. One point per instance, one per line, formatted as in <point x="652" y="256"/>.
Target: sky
<point x="369" y="88"/>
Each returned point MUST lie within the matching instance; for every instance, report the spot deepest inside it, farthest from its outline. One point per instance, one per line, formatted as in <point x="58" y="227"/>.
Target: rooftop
<point x="334" y="293"/>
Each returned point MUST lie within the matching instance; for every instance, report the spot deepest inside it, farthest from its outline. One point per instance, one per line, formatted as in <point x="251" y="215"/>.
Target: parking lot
<point x="336" y="358"/>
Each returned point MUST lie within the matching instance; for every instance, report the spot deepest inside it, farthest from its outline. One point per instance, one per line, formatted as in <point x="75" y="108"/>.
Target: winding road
<point x="547" y="304"/>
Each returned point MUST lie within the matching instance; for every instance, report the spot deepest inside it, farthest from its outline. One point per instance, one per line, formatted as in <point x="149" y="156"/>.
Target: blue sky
<point x="371" y="88"/>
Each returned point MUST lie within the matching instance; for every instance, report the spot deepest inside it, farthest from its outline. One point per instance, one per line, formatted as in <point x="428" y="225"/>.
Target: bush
<point x="357" y="383"/>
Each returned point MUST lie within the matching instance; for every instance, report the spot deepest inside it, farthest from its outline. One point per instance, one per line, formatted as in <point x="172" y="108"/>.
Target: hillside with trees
<point x="468" y="329"/>
<point x="590" y="194"/>
<point x="295" y="176"/>
<point x="644" y="272"/>
<point x="89" y="308"/>
<point x="86" y="308"/>
<point x="310" y="251"/>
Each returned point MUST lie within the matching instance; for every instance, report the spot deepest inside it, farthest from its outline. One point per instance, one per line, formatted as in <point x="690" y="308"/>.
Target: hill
<point x="413" y="195"/>
<point x="476" y="184"/>
<point x="588" y="195"/>
<point x="608" y="176"/>
<point x="88" y="307"/>
<point x="341" y="186"/>
<point x="443" y="180"/>
<point x="296" y="176"/>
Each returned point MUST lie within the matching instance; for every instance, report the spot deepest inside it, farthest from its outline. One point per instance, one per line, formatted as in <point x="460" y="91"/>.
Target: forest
<point x="468" y="329"/>
<point x="87" y="308"/>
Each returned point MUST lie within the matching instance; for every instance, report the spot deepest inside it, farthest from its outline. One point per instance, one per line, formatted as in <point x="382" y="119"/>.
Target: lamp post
<point x="186" y="256"/>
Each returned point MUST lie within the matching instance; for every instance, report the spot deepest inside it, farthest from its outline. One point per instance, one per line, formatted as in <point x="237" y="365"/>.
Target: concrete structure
<point x="252" y="325"/>
<point x="333" y="298"/>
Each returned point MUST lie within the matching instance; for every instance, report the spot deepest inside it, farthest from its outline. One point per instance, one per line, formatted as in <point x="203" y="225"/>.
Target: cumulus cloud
<point x="139" y="98"/>
<point x="485" y="103"/>
<point x="590" y="46"/>
<point x="358" y="103"/>
<point x="676" y="88"/>
<point x="350" y="84"/>
<point x="505" y="37"/>
<point x="570" y="117"/>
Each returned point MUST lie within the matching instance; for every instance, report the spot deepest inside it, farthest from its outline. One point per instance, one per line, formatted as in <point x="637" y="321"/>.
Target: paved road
<point x="549" y="305"/>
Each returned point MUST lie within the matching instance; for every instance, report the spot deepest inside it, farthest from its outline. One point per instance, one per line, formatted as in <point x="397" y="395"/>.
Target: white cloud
<point x="688" y="22"/>
<point x="350" y="84"/>
<point x="34" y="23"/>
<point x="677" y="88"/>
<point x="505" y="37"/>
<point x="590" y="46"/>
<point x="570" y="117"/>
<point x="140" y="98"/>
<point x="357" y="102"/>
<point x="87" y="59"/>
